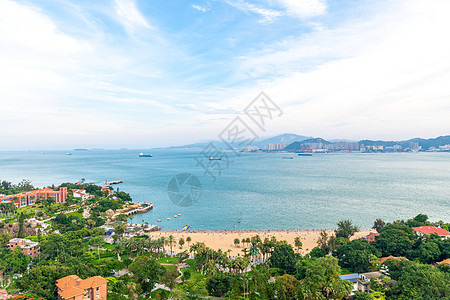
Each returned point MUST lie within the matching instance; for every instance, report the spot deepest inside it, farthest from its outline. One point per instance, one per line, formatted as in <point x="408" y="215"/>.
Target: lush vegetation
<point x="266" y="269"/>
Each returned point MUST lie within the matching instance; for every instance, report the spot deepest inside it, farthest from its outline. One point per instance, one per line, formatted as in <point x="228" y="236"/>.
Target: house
<point x="445" y="262"/>
<point x="28" y="247"/>
<point x="30" y="198"/>
<point x="371" y="236"/>
<point x="421" y="230"/>
<point x="364" y="280"/>
<point x="106" y="188"/>
<point x="353" y="278"/>
<point x="383" y="259"/>
<point x="73" y="288"/>
<point x="81" y="194"/>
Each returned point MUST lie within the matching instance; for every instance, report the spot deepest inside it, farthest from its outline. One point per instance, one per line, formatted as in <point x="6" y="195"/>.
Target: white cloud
<point x="200" y="8"/>
<point x="268" y="15"/>
<point x="304" y="8"/>
<point x="130" y="16"/>
<point x="383" y="76"/>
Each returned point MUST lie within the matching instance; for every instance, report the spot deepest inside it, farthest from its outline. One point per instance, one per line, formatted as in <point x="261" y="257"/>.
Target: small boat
<point x="145" y="155"/>
<point x="305" y="154"/>
<point x="176" y="216"/>
<point x="179" y="214"/>
<point x="68" y="153"/>
<point x="168" y="219"/>
<point x="288" y="157"/>
<point x="215" y="158"/>
<point x="239" y="221"/>
<point x="159" y="220"/>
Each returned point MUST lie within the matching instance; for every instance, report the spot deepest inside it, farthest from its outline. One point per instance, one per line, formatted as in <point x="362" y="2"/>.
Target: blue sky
<point x="134" y="73"/>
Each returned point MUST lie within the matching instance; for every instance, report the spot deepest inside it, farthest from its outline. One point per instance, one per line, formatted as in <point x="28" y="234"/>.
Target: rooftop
<point x="383" y="259"/>
<point x="350" y="277"/>
<point x="73" y="285"/>
<point x="24" y="243"/>
<point x="432" y="229"/>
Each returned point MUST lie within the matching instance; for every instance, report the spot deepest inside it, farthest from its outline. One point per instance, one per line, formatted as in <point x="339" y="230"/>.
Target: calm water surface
<point x="263" y="190"/>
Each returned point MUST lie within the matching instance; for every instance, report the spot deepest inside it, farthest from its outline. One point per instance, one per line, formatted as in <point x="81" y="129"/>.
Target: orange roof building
<point x="29" y="198"/>
<point x="431" y="229"/>
<point x="383" y="259"/>
<point x="73" y="288"/>
<point x="445" y="262"/>
<point x="371" y="236"/>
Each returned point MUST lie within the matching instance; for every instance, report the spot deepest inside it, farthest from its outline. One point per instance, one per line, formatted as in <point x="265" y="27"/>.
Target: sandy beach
<point x="224" y="239"/>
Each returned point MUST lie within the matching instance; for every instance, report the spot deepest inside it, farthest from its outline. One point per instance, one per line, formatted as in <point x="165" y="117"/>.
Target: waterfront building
<point x="422" y="230"/>
<point x="81" y="194"/>
<point x="371" y="236"/>
<point x="414" y="146"/>
<point x="274" y="147"/>
<point x="28" y="247"/>
<point x="73" y="287"/>
<point x="29" y="198"/>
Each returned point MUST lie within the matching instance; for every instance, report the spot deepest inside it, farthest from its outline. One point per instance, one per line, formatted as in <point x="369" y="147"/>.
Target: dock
<point x="113" y="182"/>
<point x="137" y="208"/>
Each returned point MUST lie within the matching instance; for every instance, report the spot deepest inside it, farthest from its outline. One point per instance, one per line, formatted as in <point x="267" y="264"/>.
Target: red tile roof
<point x="432" y="229"/>
<point x="383" y="259"/>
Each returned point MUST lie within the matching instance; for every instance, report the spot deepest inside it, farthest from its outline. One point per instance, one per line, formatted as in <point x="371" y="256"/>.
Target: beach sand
<point x="224" y="239"/>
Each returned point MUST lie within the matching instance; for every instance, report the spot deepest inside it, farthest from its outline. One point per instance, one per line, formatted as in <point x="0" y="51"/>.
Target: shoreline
<point x="224" y="239"/>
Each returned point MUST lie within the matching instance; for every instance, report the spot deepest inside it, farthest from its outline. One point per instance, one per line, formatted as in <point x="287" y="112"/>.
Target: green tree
<point x="41" y="280"/>
<point x="283" y="257"/>
<point x="322" y="280"/>
<point x="4" y="239"/>
<point x="236" y="242"/>
<point x="418" y="281"/>
<point x="21" y="233"/>
<point x="286" y="287"/>
<point x="356" y="255"/>
<point x="97" y="241"/>
<point x="146" y="272"/>
<point x="298" y="243"/>
<point x="378" y="225"/>
<point x="181" y="242"/>
<point x="219" y="284"/>
<point x="394" y="242"/>
<point x="345" y="229"/>
<point x="429" y="252"/>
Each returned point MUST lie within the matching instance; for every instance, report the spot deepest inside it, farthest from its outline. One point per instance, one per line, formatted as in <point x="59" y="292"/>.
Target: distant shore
<point x="224" y="239"/>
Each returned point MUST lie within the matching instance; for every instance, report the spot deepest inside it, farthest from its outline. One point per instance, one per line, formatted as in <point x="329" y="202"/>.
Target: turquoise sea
<point x="263" y="190"/>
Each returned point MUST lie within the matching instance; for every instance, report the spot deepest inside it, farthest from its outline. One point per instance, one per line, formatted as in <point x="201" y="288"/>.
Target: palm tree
<point x="131" y="216"/>
<point x="118" y="249"/>
<point x="298" y="243"/>
<point x="236" y="242"/>
<point x="254" y="250"/>
<point x="188" y="240"/>
<point x="170" y="243"/>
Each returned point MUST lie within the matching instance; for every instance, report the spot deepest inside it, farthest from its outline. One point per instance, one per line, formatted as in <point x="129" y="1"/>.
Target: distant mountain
<point x="287" y="138"/>
<point x="297" y="142"/>
<point x="300" y="145"/>
<point x="425" y="143"/>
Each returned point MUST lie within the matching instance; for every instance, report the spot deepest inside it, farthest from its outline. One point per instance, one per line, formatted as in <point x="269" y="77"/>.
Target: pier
<point x="136" y="208"/>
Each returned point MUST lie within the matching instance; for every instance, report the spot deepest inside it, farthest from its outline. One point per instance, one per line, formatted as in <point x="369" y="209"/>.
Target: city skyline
<point x="138" y="74"/>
